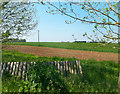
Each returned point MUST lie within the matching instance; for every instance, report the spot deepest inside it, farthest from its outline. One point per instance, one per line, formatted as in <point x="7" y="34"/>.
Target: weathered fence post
<point x="19" y="68"/>
<point x="14" y="64"/>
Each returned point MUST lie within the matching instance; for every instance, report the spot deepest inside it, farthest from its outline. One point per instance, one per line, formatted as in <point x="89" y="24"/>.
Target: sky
<point x="54" y="29"/>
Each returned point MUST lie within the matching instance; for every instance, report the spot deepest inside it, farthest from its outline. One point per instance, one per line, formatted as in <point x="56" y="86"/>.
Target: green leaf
<point x="83" y="7"/>
<point x="64" y="8"/>
<point x="105" y="27"/>
<point x="96" y="26"/>
<point x="107" y="9"/>
<point x="0" y="21"/>
<point x="104" y="19"/>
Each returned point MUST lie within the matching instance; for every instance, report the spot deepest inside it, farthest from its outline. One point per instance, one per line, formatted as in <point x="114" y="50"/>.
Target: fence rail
<point x="19" y="68"/>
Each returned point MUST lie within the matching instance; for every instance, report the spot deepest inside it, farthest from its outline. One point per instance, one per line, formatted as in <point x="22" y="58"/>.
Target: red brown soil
<point x="50" y="52"/>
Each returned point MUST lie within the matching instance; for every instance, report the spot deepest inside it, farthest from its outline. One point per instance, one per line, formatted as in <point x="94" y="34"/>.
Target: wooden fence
<point x="19" y="68"/>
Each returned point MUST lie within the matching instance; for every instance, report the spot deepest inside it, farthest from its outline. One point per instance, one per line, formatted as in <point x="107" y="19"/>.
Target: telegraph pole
<point x="38" y="35"/>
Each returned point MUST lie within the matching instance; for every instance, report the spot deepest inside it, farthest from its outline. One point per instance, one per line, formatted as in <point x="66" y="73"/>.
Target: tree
<point x="104" y="16"/>
<point x="17" y="19"/>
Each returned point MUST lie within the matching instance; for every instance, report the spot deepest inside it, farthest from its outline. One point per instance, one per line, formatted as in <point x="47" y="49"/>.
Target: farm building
<point x="80" y="41"/>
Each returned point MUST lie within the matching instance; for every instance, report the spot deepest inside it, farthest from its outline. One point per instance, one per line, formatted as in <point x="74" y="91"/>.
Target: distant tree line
<point x="89" y="42"/>
<point x="14" y="40"/>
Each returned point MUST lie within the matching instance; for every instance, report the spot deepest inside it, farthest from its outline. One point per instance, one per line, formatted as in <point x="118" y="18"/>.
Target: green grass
<point x="99" y="76"/>
<point x="73" y="46"/>
<point x="15" y="56"/>
<point x="9" y="82"/>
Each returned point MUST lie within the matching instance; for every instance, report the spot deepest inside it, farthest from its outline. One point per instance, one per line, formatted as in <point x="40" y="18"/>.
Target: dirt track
<point x="49" y="52"/>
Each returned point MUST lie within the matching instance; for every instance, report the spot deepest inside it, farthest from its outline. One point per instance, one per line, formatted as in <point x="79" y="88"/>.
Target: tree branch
<point x="82" y="19"/>
<point x="112" y="8"/>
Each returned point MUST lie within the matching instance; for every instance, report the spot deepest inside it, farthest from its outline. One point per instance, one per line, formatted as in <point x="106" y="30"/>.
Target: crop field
<point x="100" y="47"/>
<point x="97" y="76"/>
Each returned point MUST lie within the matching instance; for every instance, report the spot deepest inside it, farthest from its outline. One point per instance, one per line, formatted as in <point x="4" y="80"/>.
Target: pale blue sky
<point x="54" y="29"/>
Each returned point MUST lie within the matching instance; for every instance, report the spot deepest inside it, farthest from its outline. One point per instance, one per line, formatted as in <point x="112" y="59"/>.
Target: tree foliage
<point x="17" y="19"/>
<point x="103" y="15"/>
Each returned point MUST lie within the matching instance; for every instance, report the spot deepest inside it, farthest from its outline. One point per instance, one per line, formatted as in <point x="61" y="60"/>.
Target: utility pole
<point x="38" y="35"/>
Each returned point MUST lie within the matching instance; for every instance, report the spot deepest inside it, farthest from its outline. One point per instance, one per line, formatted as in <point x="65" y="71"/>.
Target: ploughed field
<point x="63" y="50"/>
<point x="99" y="47"/>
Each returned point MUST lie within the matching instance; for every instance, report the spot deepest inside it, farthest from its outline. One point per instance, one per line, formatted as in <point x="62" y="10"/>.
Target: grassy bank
<point x="14" y="56"/>
<point x="97" y="76"/>
<point x="112" y="47"/>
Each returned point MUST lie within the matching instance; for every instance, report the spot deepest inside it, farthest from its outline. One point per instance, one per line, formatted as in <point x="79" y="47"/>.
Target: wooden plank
<point x="1" y="68"/>
<point x="72" y="67"/>
<point x="20" y="69"/>
<point x="80" y="67"/>
<point x="23" y="71"/>
<point x="55" y="64"/>
<point x="8" y="64"/>
<point x="58" y="66"/>
<point x="68" y="67"/>
<point x="34" y="63"/>
<point x="17" y="68"/>
<point x="75" y="68"/>
<point x="64" y="67"/>
<point x="5" y="66"/>
<point x="73" y="63"/>
<point x="11" y="66"/>
<point x="78" y="71"/>
<point x="31" y="63"/>
<point x="14" y="64"/>
<point x="52" y="63"/>
<point x="49" y="63"/>
<point x="67" y="71"/>
<point x="27" y="68"/>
